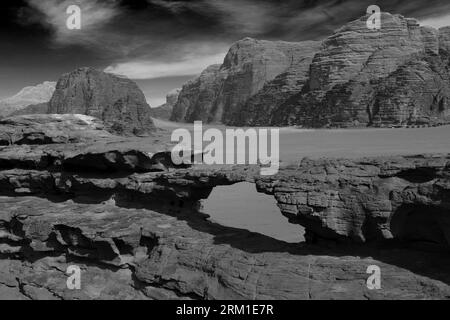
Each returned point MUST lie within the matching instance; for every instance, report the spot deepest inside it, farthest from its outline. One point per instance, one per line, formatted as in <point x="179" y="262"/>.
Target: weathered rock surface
<point x="130" y="220"/>
<point x="165" y="111"/>
<point x="247" y="67"/>
<point x="398" y="75"/>
<point x="129" y="252"/>
<point x="370" y="200"/>
<point x="50" y="128"/>
<point x="259" y="108"/>
<point x="115" y="100"/>
<point x="27" y="96"/>
<point x="197" y="97"/>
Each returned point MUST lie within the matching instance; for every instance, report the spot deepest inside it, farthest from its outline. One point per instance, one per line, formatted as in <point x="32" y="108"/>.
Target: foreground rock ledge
<point x="135" y="231"/>
<point x="137" y="253"/>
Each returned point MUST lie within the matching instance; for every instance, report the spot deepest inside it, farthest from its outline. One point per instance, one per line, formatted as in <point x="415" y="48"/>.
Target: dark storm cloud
<point x="155" y="38"/>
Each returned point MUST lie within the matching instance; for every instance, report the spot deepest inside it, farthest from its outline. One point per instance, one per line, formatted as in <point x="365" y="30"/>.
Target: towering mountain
<point x="399" y="74"/>
<point x="165" y="111"/>
<point x="40" y="93"/>
<point x="219" y="93"/>
<point x="116" y="100"/>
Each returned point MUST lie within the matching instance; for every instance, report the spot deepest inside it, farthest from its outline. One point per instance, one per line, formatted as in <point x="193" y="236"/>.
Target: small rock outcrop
<point x="164" y="111"/>
<point x="50" y="129"/>
<point x="115" y="100"/>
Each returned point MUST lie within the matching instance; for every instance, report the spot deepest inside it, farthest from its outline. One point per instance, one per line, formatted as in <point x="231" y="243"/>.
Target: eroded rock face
<point x="259" y="108"/>
<point x="398" y="75"/>
<point x="197" y="97"/>
<point x="116" y="100"/>
<point x="129" y="252"/>
<point x="403" y="198"/>
<point x="247" y="67"/>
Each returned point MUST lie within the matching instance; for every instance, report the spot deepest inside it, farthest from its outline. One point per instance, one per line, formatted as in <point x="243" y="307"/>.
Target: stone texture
<point x="259" y="109"/>
<point x="116" y="100"/>
<point x="197" y="97"/>
<point x="50" y="128"/>
<point x="247" y="67"/>
<point x="131" y="221"/>
<point x="404" y="199"/>
<point x="395" y="76"/>
<point x="165" y="111"/>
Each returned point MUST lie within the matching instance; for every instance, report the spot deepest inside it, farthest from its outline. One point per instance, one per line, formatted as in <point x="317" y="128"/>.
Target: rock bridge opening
<point x="241" y="206"/>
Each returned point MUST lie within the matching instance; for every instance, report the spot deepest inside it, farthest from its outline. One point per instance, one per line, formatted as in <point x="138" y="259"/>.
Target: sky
<point x="160" y="43"/>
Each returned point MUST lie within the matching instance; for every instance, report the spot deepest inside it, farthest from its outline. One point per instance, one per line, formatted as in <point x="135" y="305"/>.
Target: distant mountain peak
<point x="29" y="95"/>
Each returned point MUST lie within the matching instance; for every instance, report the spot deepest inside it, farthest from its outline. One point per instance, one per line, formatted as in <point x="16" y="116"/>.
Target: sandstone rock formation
<point x="116" y="100"/>
<point x="398" y="75"/>
<point x="370" y="200"/>
<point x="165" y="111"/>
<point x="247" y="67"/>
<point x="129" y="218"/>
<point x="27" y="96"/>
<point x="197" y="97"/>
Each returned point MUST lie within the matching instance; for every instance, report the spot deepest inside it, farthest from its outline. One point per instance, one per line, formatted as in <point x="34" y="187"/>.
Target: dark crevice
<point x="418" y="175"/>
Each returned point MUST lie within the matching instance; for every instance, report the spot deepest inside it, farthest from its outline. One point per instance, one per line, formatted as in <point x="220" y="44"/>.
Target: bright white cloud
<point x="437" y="22"/>
<point x="150" y="69"/>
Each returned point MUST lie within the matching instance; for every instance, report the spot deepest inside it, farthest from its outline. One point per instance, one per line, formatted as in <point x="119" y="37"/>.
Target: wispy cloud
<point x="149" y="69"/>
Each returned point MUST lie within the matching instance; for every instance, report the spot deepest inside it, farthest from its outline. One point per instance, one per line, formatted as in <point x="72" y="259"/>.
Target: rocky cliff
<point x="165" y="111"/>
<point x="398" y="75"/>
<point x="247" y="67"/>
<point x="116" y="100"/>
<point x="197" y="97"/>
<point x="129" y="219"/>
